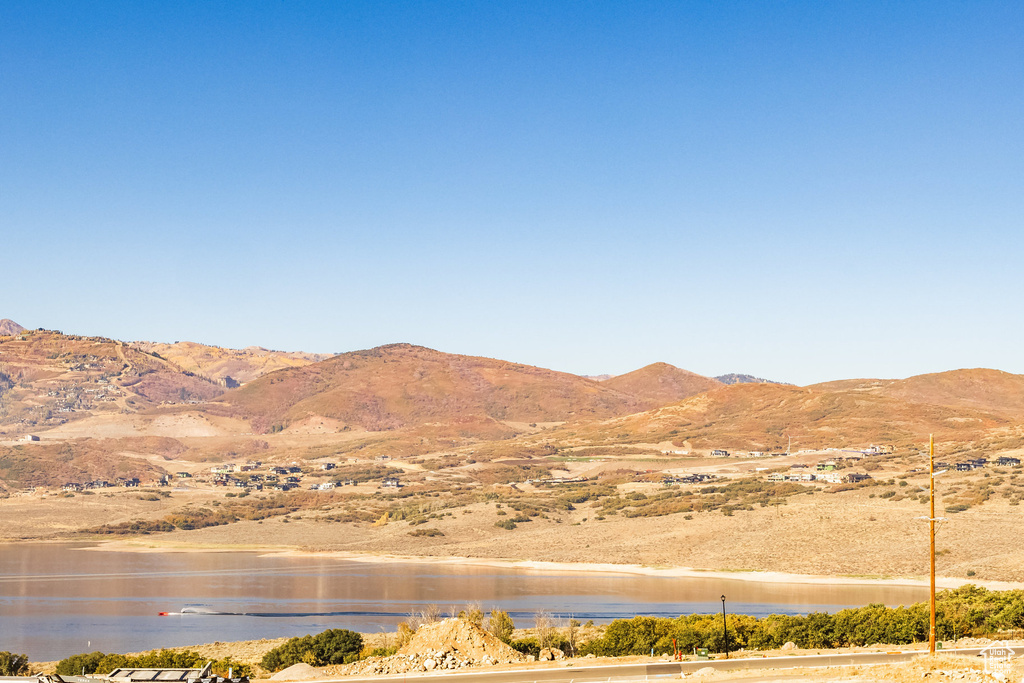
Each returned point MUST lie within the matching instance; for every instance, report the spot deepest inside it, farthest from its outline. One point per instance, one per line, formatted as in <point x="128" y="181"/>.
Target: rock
<point x="789" y="646"/>
<point x="429" y="664"/>
<point x="705" y="671"/>
<point x="591" y="656"/>
<point x="531" y="658"/>
<point x="545" y="655"/>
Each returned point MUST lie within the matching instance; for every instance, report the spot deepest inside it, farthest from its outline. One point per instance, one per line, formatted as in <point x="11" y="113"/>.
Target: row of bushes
<point x="964" y="612"/>
<point x="98" y="662"/>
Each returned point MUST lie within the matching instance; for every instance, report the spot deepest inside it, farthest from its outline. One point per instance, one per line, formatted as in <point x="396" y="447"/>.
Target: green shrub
<point x="334" y="646"/>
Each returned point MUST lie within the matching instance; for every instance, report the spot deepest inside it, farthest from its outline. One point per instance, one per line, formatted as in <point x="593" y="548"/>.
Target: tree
<point x="13" y="665"/>
<point x="500" y="624"/>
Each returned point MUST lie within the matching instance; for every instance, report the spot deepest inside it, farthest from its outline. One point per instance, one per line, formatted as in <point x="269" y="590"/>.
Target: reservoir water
<point x="61" y="599"/>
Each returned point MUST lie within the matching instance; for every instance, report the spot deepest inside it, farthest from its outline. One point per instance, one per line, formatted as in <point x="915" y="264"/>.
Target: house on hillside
<point x="964" y="466"/>
<point x="391" y="483"/>
<point x="831" y="477"/>
<point x="777" y="476"/>
<point x="719" y="453"/>
<point x="1006" y="461"/>
<point x="855" y="477"/>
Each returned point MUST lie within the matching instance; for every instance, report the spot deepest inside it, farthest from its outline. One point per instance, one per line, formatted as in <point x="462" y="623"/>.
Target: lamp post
<point x="725" y="630"/>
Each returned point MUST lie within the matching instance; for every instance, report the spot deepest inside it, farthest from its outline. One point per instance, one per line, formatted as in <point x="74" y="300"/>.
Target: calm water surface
<point x="58" y="600"/>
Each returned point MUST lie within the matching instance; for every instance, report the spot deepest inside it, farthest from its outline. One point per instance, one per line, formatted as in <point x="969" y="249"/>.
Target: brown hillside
<point x="48" y="378"/>
<point x="240" y="365"/>
<point x="10" y="328"/>
<point x="764" y="416"/>
<point x="660" y="383"/>
<point x="400" y="385"/>
<point x="976" y="389"/>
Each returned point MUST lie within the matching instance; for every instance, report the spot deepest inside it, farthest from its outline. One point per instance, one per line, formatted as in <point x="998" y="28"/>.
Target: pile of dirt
<point x="297" y="672"/>
<point x="449" y="644"/>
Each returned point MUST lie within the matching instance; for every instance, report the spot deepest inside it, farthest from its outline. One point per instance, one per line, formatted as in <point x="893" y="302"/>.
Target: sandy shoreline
<point x="567" y="567"/>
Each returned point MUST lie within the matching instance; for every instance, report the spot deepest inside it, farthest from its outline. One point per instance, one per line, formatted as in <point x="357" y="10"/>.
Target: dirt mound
<point x="463" y="638"/>
<point x="297" y="672"/>
<point x="448" y="644"/>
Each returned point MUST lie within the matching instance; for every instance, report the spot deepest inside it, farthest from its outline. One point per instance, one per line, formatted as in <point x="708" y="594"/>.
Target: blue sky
<point x="800" y="190"/>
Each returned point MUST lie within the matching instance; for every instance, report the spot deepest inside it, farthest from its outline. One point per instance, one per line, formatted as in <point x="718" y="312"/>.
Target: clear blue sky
<point x="799" y="190"/>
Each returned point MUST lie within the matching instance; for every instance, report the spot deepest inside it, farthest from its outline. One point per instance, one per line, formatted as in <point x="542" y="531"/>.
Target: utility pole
<point x="931" y="534"/>
<point x="725" y="630"/>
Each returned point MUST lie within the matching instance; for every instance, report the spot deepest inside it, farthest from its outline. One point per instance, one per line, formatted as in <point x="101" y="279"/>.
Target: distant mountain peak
<point x="9" y="328"/>
<point x="739" y="378"/>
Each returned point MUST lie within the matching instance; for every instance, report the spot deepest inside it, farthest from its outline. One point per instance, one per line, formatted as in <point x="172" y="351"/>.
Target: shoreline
<point x="753" y="576"/>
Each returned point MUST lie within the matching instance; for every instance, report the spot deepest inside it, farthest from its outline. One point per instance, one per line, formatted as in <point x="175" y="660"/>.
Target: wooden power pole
<point x="931" y="536"/>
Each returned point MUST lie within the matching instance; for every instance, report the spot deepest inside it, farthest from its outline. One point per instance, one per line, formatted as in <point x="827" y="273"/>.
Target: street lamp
<point x="725" y="630"/>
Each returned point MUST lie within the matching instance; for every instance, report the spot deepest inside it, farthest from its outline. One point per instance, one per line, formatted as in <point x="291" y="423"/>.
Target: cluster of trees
<point x="334" y="646"/>
<point x="98" y="662"/>
<point x="964" y="612"/>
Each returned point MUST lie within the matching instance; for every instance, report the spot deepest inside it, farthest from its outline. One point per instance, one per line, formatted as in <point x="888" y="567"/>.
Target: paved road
<point x="614" y="672"/>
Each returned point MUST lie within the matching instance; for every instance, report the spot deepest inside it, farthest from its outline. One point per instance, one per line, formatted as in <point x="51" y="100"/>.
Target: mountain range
<point x="48" y="380"/>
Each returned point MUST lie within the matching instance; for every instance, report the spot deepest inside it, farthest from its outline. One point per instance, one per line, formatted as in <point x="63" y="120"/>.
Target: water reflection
<point x="57" y="600"/>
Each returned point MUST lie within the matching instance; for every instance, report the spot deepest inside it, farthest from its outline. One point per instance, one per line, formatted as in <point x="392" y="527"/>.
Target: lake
<point x="61" y="599"/>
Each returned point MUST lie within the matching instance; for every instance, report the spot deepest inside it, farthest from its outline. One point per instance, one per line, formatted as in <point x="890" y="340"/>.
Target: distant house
<point x="71" y="486"/>
<point x="391" y="483"/>
<point x="798" y="466"/>
<point x="719" y="453"/>
<point x="327" y="466"/>
<point x="30" y="437"/>
<point x="777" y="476"/>
<point x="827" y="466"/>
<point x="133" y="482"/>
<point x="831" y="477"/>
<point x="855" y="477"/>
<point x="383" y="457"/>
<point x="183" y="475"/>
<point x="964" y="466"/>
<point x="1006" y="461"/>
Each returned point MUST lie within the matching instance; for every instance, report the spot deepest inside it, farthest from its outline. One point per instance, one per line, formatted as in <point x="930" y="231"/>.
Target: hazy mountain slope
<point x="660" y="383"/>
<point x="401" y="385"/>
<point x="740" y="378"/>
<point x="9" y="328"/>
<point x="240" y="365"/>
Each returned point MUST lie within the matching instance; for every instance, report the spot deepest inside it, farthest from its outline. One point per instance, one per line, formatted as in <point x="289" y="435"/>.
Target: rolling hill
<point x="763" y="416"/>
<point x="231" y="366"/>
<point x="48" y="378"/>
<point x="660" y="383"/>
<point x="401" y="385"/>
<point x="9" y="328"/>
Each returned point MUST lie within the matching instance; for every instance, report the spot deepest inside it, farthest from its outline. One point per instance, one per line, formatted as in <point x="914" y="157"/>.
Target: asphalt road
<point x="614" y="672"/>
